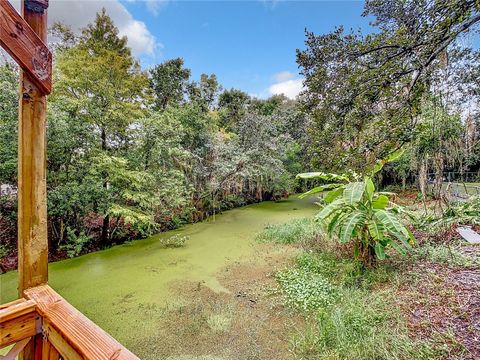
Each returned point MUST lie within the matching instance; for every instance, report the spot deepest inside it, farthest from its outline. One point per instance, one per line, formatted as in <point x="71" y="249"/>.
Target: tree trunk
<point x="422" y="178"/>
<point x="367" y="255"/>
<point x="438" y="161"/>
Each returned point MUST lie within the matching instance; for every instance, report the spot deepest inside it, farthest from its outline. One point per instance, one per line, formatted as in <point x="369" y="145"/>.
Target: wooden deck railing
<point x="57" y="329"/>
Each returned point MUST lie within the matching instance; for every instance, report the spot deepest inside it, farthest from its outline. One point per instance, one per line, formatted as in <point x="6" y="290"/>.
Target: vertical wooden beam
<point x="32" y="190"/>
<point x="32" y="206"/>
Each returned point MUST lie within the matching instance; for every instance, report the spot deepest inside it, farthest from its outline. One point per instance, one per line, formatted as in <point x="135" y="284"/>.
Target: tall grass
<point x="351" y="312"/>
<point x="295" y="231"/>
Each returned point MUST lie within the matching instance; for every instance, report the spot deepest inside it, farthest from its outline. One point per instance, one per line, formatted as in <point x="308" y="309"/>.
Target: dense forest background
<point x="133" y="151"/>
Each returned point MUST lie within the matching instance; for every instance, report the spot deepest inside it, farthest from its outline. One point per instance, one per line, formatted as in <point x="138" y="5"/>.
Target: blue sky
<point x="249" y="45"/>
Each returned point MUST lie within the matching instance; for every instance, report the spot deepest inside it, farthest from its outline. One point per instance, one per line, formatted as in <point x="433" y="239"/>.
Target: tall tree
<point x="233" y="102"/>
<point x="109" y="103"/>
<point x="8" y="123"/>
<point x="169" y="82"/>
<point x="365" y="91"/>
<point x="205" y="92"/>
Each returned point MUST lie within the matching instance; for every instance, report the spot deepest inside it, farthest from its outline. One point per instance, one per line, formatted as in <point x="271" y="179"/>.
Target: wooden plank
<point x="25" y="46"/>
<point x="22" y="327"/>
<point x="48" y="351"/>
<point x="32" y="200"/>
<point x="14" y="302"/>
<point x="17" y="309"/>
<point x="67" y="329"/>
<point x="59" y="342"/>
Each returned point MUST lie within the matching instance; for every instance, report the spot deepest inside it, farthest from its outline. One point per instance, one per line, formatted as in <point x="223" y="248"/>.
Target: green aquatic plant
<point x="174" y="241"/>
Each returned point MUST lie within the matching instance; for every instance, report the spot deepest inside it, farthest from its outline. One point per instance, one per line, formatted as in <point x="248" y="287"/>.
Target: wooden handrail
<point x="70" y="332"/>
<point x="19" y="320"/>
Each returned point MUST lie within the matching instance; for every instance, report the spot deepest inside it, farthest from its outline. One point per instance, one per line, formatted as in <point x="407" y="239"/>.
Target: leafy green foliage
<point x="8" y="124"/>
<point x="351" y="316"/>
<point x="305" y="290"/>
<point x="354" y="212"/>
<point x="75" y="243"/>
<point x="461" y="213"/>
<point x="449" y="254"/>
<point x="353" y="78"/>
<point x="169" y="82"/>
<point x="3" y="251"/>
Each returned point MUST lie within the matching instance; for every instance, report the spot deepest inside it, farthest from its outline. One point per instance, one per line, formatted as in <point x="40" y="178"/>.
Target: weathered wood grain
<point x="18" y="320"/>
<point x="71" y="332"/>
<point x="22" y="42"/>
<point x="32" y="198"/>
<point x="22" y="327"/>
<point x="48" y="350"/>
<point x="16" y="308"/>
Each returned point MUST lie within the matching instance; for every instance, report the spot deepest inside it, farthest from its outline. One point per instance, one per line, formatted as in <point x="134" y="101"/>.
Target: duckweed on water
<point x="124" y="289"/>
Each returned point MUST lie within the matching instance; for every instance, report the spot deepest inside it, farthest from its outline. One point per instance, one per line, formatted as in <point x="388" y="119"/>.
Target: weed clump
<point x="305" y="290"/>
<point x="175" y="241"/>
<point x="219" y="323"/>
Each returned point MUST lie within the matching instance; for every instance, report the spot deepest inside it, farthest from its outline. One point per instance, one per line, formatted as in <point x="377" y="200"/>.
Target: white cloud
<point x="79" y="13"/>
<point x="290" y="88"/>
<point x="154" y="6"/>
<point x="139" y="38"/>
<point x="283" y="76"/>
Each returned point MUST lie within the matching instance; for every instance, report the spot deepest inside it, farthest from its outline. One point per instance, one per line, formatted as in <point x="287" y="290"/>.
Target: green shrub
<point x="75" y="243"/>
<point x="295" y="231"/>
<point x="174" y="241"/>
<point x="304" y="290"/>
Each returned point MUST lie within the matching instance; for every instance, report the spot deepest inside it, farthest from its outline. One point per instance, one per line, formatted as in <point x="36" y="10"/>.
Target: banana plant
<point x="354" y="212"/>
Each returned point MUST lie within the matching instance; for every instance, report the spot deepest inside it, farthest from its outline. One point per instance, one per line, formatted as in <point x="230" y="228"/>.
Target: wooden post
<point x="32" y="195"/>
<point x="32" y="202"/>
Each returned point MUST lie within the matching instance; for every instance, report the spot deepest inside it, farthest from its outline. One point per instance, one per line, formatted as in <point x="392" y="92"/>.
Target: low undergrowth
<point x="353" y="312"/>
<point x="295" y="231"/>
<point x="448" y="254"/>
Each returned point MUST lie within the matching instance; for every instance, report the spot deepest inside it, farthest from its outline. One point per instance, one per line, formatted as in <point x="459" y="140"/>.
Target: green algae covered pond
<point x="122" y="288"/>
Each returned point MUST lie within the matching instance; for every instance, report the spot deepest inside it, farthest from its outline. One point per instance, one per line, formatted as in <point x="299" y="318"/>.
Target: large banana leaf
<point x="376" y="229"/>
<point x="391" y="157"/>
<point x="356" y="219"/>
<point x="333" y="194"/>
<point x="319" y="189"/>
<point x="393" y="226"/>
<point x="380" y="202"/>
<point x="353" y="192"/>
<point x="397" y="247"/>
<point x="369" y="187"/>
<point x="330" y="208"/>
<point x="380" y="251"/>
<point x="322" y="176"/>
